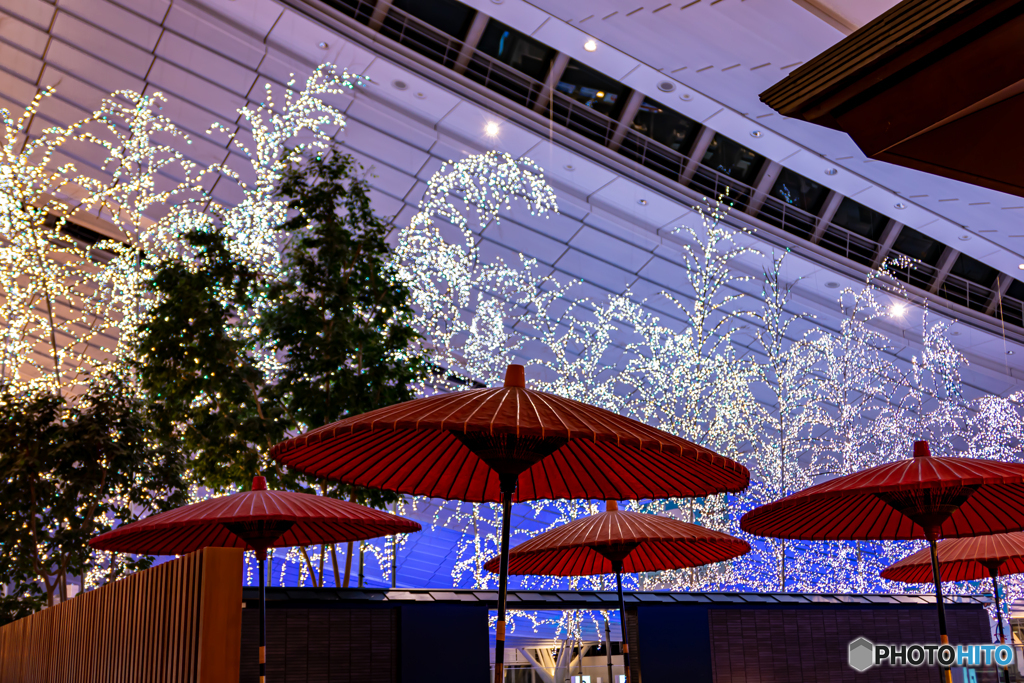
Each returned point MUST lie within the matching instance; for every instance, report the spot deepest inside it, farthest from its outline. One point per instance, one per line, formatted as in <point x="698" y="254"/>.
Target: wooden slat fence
<point x="179" y="622"/>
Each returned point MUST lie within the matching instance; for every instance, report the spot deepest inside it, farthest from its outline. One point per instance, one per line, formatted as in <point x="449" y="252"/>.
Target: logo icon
<point x="862" y="654"/>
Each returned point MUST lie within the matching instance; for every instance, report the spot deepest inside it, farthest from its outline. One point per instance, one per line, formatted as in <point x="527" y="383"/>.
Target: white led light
<point x="590" y="45"/>
<point x="491" y="129"/>
<point x="898" y="310"/>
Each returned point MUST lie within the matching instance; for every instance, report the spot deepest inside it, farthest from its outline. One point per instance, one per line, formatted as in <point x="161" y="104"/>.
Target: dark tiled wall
<point x="809" y="645"/>
<point x="323" y="645"/>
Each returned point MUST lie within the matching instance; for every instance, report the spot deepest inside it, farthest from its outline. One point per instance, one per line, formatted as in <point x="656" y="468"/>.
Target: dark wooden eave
<point x="935" y="85"/>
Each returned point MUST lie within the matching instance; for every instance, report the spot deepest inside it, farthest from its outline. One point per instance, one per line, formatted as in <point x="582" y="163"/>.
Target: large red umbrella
<point x="615" y="541"/>
<point x="922" y="497"/>
<point x="490" y="445"/>
<point x="254" y="520"/>
<point x="966" y="559"/>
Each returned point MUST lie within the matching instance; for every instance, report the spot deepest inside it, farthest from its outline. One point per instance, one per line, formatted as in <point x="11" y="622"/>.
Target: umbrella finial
<point x="611" y="506"/>
<point x="259" y="483"/>
<point x="515" y="376"/>
<point x="921" y="449"/>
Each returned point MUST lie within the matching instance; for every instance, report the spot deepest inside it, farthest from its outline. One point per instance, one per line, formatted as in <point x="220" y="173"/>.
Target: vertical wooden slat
<point x="178" y="622"/>
<point x="220" y="626"/>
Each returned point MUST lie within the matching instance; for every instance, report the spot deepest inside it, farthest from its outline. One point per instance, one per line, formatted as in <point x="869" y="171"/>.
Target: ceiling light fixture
<point x="666" y="86"/>
<point x="686" y="97"/>
<point x="831" y="171"/>
<point x="832" y="285"/>
<point x="420" y="96"/>
<point x="964" y="238"/>
<point x="399" y="85"/>
<point x="1021" y="266"/>
<point x="322" y="45"/>
<point x="756" y="133"/>
<point x="642" y="202"/>
<point x="600" y="95"/>
<point x="898" y="310"/>
<point x="900" y="205"/>
<point x="491" y="129"/>
<point x="570" y="167"/>
<point x="1009" y="352"/>
<point x="590" y="45"/>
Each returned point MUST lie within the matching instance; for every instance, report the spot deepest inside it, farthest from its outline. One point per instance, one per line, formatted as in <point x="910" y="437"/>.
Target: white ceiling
<point x="732" y="50"/>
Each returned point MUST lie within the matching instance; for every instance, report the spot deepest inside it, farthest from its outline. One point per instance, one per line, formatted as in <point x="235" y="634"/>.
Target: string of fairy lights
<point x="792" y="400"/>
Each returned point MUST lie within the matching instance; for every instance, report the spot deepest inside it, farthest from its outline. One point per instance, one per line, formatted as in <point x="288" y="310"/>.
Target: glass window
<point x="663" y="125"/>
<point x="796" y="190"/>
<point x="973" y="270"/>
<point x="733" y="159"/>
<point x="916" y="245"/>
<point x="1016" y="290"/>
<point x="448" y="16"/>
<point x="592" y="88"/>
<point x="860" y="219"/>
<point x="521" y="52"/>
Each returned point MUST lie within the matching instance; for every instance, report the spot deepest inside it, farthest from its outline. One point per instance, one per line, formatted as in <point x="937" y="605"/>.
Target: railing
<point x="502" y="79"/>
<point x="360" y="10"/>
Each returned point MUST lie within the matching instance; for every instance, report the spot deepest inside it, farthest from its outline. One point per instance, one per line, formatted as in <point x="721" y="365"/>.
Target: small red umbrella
<point x="493" y="445"/>
<point x="615" y="541"/>
<point x="920" y="498"/>
<point x="254" y="520"/>
<point x="966" y="559"/>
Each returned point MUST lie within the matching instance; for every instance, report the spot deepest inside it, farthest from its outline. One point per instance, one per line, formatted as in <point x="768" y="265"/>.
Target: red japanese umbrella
<point x="614" y="541"/>
<point x="505" y="443"/>
<point x="254" y="520"/>
<point x="922" y="497"/>
<point x="966" y="559"/>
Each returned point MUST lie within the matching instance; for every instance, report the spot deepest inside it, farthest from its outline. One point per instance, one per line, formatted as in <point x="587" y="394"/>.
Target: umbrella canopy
<point x="255" y="520"/>
<point x="614" y="541"/>
<point x="923" y="497"/>
<point x="902" y="500"/>
<point x="966" y="559"/>
<point x="963" y="559"/>
<point x="507" y="443"/>
<point x="458" y="445"/>
<point x="641" y="543"/>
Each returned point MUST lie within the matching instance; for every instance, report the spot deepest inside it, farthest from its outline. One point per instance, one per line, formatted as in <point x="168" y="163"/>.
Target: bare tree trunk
<point x="309" y="564"/>
<point x="334" y="564"/>
<point x="361" y="547"/>
<point x="323" y="552"/>
<point x="348" y="563"/>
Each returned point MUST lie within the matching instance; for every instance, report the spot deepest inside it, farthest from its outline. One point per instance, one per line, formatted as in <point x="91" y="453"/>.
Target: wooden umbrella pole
<point x="507" y="490"/>
<point x="261" y="556"/>
<point x="999" y="616"/>
<point x="947" y="675"/>
<point x="617" y="567"/>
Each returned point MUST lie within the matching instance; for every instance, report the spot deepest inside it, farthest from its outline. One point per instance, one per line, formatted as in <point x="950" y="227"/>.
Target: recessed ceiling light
<point x="1009" y="352"/>
<point x="666" y="86"/>
<point x="399" y="85"/>
<point x="497" y="2"/>
<point x="420" y="96"/>
<point x="900" y="205"/>
<point x="832" y="285"/>
<point x="642" y="202"/>
<point x="955" y="333"/>
<point x="322" y="45"/>
<point x="590" y="45"/>
<point x="491" y="129"/>
<point x="1021" y="266"/>
<point x="756" y="133"/>
<point x="831" y="171"/>
<point x="898" y="310"/>
<point x="964" y="238"/>
<point x="686" y="97"/>
<point x="599" y="94"/>
<point x="570" y="167"/>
